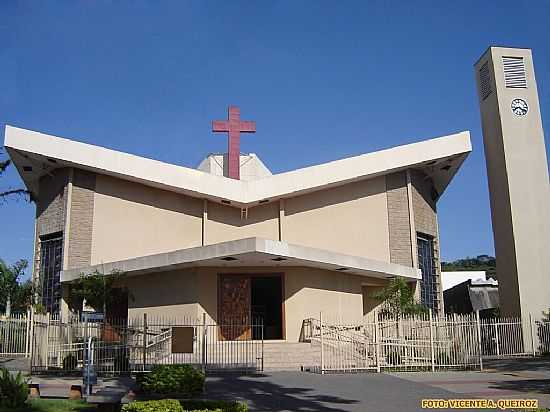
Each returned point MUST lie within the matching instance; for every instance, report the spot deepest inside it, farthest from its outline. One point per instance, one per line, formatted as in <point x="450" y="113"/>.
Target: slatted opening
<point x="514" y="73"/>
<point x="485" y="81"/>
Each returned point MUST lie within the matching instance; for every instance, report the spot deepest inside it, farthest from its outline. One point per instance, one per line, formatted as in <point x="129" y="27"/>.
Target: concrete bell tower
<point x="517" y="171"/>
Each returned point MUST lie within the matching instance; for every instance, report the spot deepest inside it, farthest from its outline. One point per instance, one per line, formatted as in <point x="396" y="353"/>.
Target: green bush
<point x="13" y="390"/>
<point x="181" y="379"/>
<point x="69" y="363"/>
<point x="165" y="405"/>
<point x="221" y="406"/>
<point x="170" y="405"/>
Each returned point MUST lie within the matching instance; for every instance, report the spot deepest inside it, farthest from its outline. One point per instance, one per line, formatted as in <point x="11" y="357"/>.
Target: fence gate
<point x="507" y="337"/>
<point x="122" y="346"/>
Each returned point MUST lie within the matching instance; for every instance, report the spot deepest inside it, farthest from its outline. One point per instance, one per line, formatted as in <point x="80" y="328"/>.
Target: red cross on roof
<point x="234" y="126"/>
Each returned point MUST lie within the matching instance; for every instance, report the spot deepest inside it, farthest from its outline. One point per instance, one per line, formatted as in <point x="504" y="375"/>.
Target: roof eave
<point x="249" y="252"/>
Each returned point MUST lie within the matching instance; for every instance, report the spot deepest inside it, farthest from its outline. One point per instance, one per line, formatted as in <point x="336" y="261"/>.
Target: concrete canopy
<point x="36" y="154"/>
<point x="250" y="252"/>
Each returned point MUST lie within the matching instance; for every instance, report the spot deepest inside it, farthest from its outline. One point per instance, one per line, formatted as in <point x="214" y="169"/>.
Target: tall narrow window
<point x="51" y="260"/>
<point x="426" y="264"/>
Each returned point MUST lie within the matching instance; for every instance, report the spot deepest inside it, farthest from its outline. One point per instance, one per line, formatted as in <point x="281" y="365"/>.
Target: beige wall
<point x="307" y="292"/>
<point x="349" y="219"/>
<point x="167" y="294"/>
<point x="132" y="220"/>
<point x="311" y="291"/>
<point x="225" y="223"/>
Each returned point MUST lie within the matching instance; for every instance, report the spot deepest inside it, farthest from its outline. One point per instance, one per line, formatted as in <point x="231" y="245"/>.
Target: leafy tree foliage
<point x="482" y="262"/>
<point x="10" y="289"/>
<point x="97" y="290"/>
<point x="398" y="299"/>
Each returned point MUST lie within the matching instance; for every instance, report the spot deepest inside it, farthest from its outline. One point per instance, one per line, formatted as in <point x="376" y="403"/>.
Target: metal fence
<point x="15" y="335"/>
<point x="120" y="347"/>
<point x="422" y="342"/>
<point x="377" y="343"/>
<point x="508" y="337"/>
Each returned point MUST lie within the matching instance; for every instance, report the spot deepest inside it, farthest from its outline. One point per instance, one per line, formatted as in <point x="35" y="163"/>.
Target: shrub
<point x="165" y="405"/>
<point x="223" y="406"/>
<point x="13" y="390"/>
<point x="181" y="379"/>
<point x="170" y="405"/>
<point x="69" y="363"/>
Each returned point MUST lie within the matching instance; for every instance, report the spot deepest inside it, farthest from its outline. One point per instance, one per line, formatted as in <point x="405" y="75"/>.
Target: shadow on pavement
<point x="539" y="364"/>
<point x="524" y="385"/>
<point x="265" y="395"/>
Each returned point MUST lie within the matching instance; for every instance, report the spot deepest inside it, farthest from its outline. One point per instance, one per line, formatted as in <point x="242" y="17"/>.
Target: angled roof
<point x="251" y="252"/>
<point x="36" y="154"/>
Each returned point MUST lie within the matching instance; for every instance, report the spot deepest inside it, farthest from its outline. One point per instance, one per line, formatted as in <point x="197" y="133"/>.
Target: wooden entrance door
<point x="234" y="307"/>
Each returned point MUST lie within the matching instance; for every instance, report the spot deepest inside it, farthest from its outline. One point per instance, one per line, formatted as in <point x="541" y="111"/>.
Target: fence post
<point x="262" y="329"/>
<point x="531" y="327"/>
<point x="204" y="342"/>
<point x="432" y="351"/>
<point x="47" y="339"/>
<point x="376" y="340"/>
<point x="322" y="343"/>
<point x="478" y="328"/>
<point x="497" y="340"/>
<point x="27" y="334"/>
<point x="31" y="337"/>
<point x="144" y="340"/>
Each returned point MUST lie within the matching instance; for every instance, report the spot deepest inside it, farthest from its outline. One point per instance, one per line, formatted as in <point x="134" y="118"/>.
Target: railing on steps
<point x="423" y="342"/>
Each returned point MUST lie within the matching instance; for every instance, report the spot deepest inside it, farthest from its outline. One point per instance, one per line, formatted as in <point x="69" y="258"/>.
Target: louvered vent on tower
<point x="514" y="73"/>
<point x="485" y="81"/>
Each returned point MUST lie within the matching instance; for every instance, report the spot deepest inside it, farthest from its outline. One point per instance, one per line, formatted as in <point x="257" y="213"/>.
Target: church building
<point x="232" y="240"/>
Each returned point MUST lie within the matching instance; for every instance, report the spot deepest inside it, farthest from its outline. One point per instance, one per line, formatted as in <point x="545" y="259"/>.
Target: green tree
<point x="10" y="192"/>
<point x="9" y="282"/>
<point x="24" y="296"/>
<point x="97" y="289"/>
<point x="398" y="299"/>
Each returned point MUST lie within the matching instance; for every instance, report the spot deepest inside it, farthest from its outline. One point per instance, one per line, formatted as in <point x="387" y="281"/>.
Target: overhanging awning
<point x="250" y="252"/>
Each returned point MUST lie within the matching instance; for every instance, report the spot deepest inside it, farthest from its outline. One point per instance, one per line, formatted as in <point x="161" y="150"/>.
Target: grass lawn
<point x="55" y="405"/>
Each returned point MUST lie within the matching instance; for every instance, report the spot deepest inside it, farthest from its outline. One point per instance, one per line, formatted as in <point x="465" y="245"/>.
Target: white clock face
<point x="519" y="107"/>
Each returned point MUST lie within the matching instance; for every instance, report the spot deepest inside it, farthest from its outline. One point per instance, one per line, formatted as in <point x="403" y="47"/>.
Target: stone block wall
<point x="398" y="219"/>
<point x="81" y="219"/>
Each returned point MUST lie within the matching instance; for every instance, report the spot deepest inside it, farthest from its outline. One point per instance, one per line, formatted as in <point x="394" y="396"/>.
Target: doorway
<point x="245" y="301"/>
<point x="266" y="306"/>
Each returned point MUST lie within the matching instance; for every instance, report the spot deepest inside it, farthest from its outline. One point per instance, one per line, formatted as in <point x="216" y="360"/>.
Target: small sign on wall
<point x="182" y="339"/>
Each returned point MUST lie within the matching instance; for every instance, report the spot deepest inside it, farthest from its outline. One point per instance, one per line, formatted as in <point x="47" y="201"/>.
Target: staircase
<point x="290" y="355"/>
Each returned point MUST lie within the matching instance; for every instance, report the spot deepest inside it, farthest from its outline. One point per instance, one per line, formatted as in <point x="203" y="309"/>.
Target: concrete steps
<point x="290" y="355"/>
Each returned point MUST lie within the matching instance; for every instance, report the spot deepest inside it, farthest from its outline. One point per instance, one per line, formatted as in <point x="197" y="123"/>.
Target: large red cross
<point x="234" y="126"/>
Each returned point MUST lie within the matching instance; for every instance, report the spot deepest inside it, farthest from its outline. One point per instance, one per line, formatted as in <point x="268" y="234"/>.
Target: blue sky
<point x="323" y="80"/>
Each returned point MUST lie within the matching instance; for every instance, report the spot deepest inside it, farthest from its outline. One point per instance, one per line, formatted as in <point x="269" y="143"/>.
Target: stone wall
<point x="81" y="221"/>
<point x="50" y="205"/>
<point x="425" y="212"/>
<point x="398" y="219"/>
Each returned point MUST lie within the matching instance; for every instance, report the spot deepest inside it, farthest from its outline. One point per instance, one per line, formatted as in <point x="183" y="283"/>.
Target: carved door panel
<point x="234" y="307"/>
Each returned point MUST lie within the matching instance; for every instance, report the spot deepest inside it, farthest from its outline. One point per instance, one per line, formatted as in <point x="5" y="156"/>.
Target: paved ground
<point x="15" y="364"/>
<point x="300" y="391"/>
